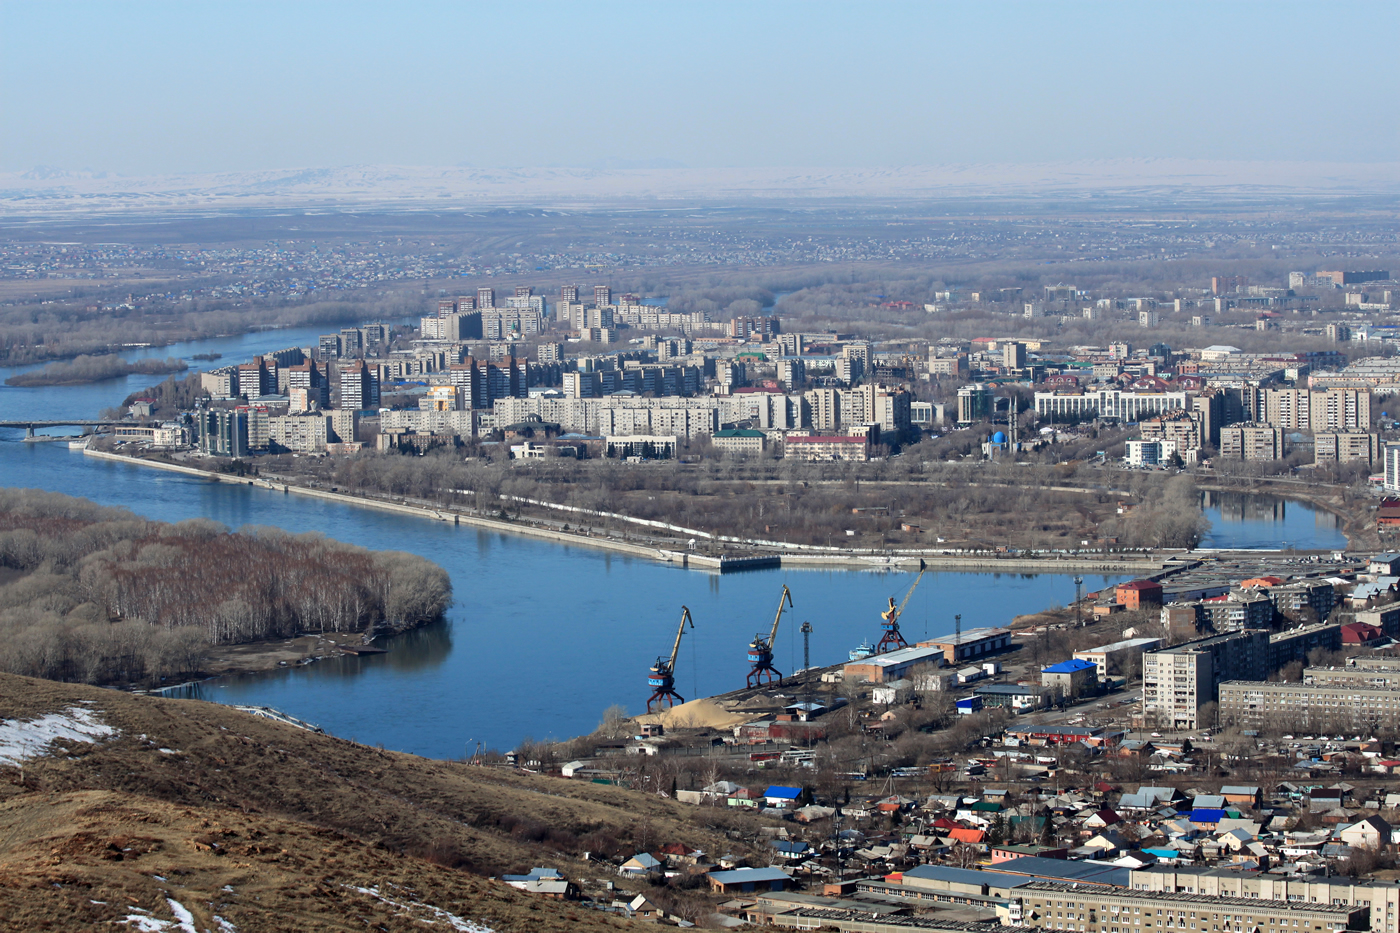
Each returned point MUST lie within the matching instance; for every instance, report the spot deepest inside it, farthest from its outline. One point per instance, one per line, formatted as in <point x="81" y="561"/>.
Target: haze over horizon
<point x="167" y="89"/>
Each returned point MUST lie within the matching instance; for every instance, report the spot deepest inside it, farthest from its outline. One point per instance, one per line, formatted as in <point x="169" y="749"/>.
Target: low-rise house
<point x="545" y="882"/>
<point x="781" y="797"/>
<point x="1242" y="795"/>
<point x="1371" y="833"/>
<point x="1102" y="819"/>
<point x="642" y="863"/>
<point x="643" y="909"/>
<point x="791" y="851"/>
<point x="1206" y="819"/>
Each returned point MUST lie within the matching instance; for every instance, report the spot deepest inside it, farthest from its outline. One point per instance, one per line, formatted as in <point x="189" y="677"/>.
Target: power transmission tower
<point x="806" y="631"/>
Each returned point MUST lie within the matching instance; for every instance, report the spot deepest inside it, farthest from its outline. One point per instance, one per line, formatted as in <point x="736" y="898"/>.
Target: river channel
<point x="542" y="637"/>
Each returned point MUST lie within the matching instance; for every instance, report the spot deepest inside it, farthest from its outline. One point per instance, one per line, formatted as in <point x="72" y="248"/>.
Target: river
<point x="542" y="637"/>
<point x="1249" y="520"/>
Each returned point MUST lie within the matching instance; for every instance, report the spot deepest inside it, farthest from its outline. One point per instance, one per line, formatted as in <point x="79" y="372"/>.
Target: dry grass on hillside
<point x="205" y="796"/>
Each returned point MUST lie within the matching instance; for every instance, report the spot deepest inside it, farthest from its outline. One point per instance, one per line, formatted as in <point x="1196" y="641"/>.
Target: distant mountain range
<point x="46" y="191"/>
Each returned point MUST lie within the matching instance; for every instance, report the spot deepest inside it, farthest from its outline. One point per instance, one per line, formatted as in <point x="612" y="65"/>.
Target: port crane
<point x="892" y="638"/>
<point x="663" y="673"/>
<point x="761" y="648"/>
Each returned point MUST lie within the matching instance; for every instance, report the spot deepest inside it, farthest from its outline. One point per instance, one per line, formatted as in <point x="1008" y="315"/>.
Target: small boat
<point x="865" y="650"/>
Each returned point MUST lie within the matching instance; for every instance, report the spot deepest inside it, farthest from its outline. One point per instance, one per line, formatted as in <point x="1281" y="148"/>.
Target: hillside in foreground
<point x="123" y="808"/>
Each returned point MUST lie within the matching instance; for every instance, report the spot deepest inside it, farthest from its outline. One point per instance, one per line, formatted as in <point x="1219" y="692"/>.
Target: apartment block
<point x="948" y="365"/>
<point x="1305" y="601"/>
<point x="1296" y="644"/>
<point x="1179" y="680"/>
<point x="1391" y="465"/>
<point x="1309" y="706"/>
<point x="223" y="432"/>
<point x="1052" y="905"/>
<point x="1183" y="427"/>
<point x="1346" y="447"/>
<point x="1251" y="442"/>
<point x="302" y="433"/>
<point x="1381" y="897"/>
<point x="359" y="387"/>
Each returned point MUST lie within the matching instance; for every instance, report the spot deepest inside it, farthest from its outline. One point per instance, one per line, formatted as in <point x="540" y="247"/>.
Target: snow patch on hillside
<point x="21" y="741"/>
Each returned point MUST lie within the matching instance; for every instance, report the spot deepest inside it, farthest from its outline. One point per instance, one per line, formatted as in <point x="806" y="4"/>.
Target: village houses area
<point x="1194" y="751"/>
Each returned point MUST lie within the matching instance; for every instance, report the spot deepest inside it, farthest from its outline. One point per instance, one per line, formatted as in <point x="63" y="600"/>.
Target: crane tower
<point x="662" y="678"/>
<point x="892" y="638"/>
<point x="761" y="648"/>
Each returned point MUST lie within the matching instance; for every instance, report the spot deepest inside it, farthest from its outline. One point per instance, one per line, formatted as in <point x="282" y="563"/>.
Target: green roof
<point x="738" y="432"/>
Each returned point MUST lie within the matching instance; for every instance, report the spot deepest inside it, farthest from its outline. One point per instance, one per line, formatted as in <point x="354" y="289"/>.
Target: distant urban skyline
<point x="164" y="88"/>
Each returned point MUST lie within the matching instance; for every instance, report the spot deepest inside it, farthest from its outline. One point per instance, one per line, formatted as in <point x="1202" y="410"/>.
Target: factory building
<point x="895" y="665"/>
<point x="1116" y="658"/>
<point x="972" y="644"/>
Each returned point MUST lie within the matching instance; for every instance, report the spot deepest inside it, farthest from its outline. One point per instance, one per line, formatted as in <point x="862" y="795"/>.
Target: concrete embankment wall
<point x="441" y="515"/>
<point x="978" y="564"/>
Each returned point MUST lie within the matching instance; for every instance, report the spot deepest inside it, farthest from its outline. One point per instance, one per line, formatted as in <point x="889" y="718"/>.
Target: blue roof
<point x="744" y="875"/>
<point x="1207" y="815"/>
<point x="966" y="876"/>
<point x="1068" y="667"/>
<point x="783" y="793"/>
<point x="1062" y="870"/>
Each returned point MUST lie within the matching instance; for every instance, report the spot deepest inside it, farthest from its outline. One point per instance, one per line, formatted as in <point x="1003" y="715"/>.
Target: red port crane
<point x="761" y="649"/>
<point x="892" y="638"/>
<point x="663" y="673"/>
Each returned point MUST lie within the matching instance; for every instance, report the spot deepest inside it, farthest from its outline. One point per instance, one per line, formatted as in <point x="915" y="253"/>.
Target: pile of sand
<point x="696" y="714"/>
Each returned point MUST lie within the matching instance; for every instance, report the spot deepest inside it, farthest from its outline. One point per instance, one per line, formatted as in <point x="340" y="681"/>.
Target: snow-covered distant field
<point x="44" y="192"/>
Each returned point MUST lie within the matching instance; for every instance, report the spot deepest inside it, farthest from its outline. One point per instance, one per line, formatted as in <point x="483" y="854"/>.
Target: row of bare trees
<point x="106" y="596"/>
<point x="811" y="503"/>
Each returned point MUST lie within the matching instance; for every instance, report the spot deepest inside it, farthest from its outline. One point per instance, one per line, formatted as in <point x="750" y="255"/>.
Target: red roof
<point x="1355" y="633"/>
<point x="970" y="836"/>
<point x="1140" y="585"/>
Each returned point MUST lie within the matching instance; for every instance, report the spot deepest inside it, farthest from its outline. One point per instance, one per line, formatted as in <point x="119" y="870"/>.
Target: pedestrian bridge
<point x="29" y="426"/>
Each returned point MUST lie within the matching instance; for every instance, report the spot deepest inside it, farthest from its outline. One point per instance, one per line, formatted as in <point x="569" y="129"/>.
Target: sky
<point x="138" y="88"/>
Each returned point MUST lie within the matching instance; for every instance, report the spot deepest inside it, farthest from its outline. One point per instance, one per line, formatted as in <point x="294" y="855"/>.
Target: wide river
<point x="542" y="637"/>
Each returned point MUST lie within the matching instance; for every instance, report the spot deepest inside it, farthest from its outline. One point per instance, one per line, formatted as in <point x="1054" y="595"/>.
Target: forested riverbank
<point x="84" y="369"/>
<point x="101" y="595"/>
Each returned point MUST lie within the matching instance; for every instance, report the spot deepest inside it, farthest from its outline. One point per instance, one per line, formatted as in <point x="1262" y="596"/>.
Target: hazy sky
<point x="141" y="88"/>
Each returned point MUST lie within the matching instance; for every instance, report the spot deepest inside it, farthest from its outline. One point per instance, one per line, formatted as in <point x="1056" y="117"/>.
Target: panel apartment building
<point x="1056" y="905"/>
<point x="1178" y="681"/>
<point x="1338" y="409"/>
<point x="1382" y="898"/>
<point x="1363" y="695"/>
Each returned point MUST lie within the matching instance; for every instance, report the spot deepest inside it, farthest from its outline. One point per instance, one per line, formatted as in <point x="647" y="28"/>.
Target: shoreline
<point x="748" y="559"/>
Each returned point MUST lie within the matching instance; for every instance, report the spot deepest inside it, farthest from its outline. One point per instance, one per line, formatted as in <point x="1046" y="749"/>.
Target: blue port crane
<point x="663" y="673"/>
<point x="761" y="648"/>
